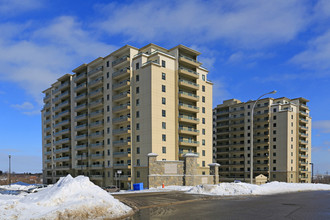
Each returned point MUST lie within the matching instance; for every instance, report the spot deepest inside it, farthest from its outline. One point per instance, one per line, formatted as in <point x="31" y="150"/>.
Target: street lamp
<point x="251" y="129"/>
<point x="9" y="177"/>
<point x="312" y="171"/>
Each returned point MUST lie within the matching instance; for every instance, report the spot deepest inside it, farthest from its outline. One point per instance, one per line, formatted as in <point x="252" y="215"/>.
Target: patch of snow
<point x="69" y="198"/>
<point x="251" y="189"/>
<point x="152" y="155"/>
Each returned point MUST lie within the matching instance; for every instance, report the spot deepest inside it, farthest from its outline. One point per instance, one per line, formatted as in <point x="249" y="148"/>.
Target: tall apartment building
<point x="281" y="134"/>
<point x="104" y="119"/>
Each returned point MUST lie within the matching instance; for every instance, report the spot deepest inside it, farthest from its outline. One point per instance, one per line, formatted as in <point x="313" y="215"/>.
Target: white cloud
<point x="242" y="23"/>
<point x="323" y="126"/>
<point x="12" y="7"/>
<point x="317" y="55"/>
<point x="49" y="52"/>
<point x="23" y="106"/>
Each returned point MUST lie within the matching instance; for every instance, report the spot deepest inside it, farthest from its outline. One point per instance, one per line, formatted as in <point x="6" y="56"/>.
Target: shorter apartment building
<point x="281" y="134"/>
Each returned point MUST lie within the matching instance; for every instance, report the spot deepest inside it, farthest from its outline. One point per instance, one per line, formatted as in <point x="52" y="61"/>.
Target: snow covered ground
<point x="69" y="198"/>
<point x="224" y="189"/>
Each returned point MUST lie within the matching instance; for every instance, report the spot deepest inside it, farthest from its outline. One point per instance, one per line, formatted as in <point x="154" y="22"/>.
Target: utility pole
<point x="9" y="180"/>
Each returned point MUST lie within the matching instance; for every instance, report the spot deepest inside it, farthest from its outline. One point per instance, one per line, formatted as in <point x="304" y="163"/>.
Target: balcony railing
<point x="190" y="59"/>
<point x="188" y="82"/>
<point x="121" y="130"/>
<point x="100" y="68"/>
<point x="189" y="70"/>
<point x="188" y="94"/>
<point x="188" y="106"/>
<point x="120" y="119"/>
<point x="119" y="72"/>
<point x="188" y="129"/>
<point x="188" y="117"/>
<point x="119" y="60"/>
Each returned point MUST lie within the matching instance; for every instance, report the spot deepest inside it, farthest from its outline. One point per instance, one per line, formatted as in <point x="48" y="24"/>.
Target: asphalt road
<point x="176" y="205"/>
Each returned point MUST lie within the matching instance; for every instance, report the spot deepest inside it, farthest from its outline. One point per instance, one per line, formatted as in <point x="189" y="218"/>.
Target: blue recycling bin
<point x="138" y="186"/>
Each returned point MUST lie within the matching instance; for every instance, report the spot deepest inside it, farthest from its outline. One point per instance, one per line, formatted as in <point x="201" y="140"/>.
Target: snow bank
<point x="250" y="189"/>
<point x="69" y="198"/>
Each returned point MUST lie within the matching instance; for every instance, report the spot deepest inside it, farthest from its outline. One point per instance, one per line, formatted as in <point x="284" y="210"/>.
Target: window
<point x="137" y="66"/>
<point x="203" y="120"/>
<point x="203" y="77"/>
<point x="291" y="154"/>
<point x="163" y="88"/>
<point x="137" y="90"/>
<point x="203" y="153"/>
<point x="203" y="88"/>
<point x="108" y="171"/>
<point x="137" y="78"/>
<point x="274" y="132"/>
<point x="108" y="97"/>
<point x="274" y="117"/>
<point x="164" y="125"/>
<point x="274" y="168"/>
<point x="164" y="113"/>
<point x="203" y="131"/>
<point x="163" y="63"/>
<point x="137" y="138"/>
<point x="108" y="130"/>
<point x="108" y="75"/>
<point x="163" y="76"/>
<point x="137" y="126"/>
<point x="203" y="98"/>
<point x="138" y="162"/>
<point x="108" y="108"/>
<point x="203" y="163"/>
<point x="137" y="102"/>
<point x="108" y="64"/>
<point x="274" y="125"/>
<point x="203" y="142"/>
<point x="163" y="101"/>
<point x="291" y="131"/>
<point x="164" y="137"/>
<point x="108" y="119"/>
<point x="291" y="124"/>
<point x="137" y="114"/>
<point x="137" y="174"/>
<point x="274" y="154"/>
<point x="274" y="139"/>
<point x="291" y="146"/>
<point x="137" y="150"/>
<point x="274" y="161"/>
<point x="274" y="175"/>
<point x="292" y="161"/>
<point x="291" y="139"/>
<point x="291" y="116"/>
<point x="274" y="109"/>
<point x="164" y="150"/>
<point x="108" y="155"/>
<point x="108" y="141"/>
<point x="274" y="146"/>
<point x="108" y="86"/>
<point x="203" y="109"/>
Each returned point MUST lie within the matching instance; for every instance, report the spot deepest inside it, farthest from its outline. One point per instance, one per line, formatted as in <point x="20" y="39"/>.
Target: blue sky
<point x="250" y="47"/>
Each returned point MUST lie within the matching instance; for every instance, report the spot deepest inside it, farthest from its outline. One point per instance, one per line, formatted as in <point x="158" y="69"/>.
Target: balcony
<point x="62" y="95"/>
<point x="189" y="61"/>
<point x="95" y="71"/>
<point x="303" y="149"/>
<point x="81" y="127"/>
<point x="121" y="166"/>
<point x="62" y="86"/>
<point x="119" y="120"/>
<point x="303" y="156"/>
<point x="81" y="137"/>
<point x="47" y="105"/>
<point x="121" y="154"/>
<point x="303" y="163"/>
<point x="121" y="108"/>
<point x="96" y="124"/>
<point x="62" y="167"/>
<point x="188" y="96"/>
<point x="121" y="85"/>
<point x="96" y="103"/>
<point x="65" y="131"/>
<point x="124" y="177"/>
<point x="95" y="82"/>
<point x="63" y="113"/>
<point x="62" y="141"/>
<point x="48" y="152"/>
<point x="187" y="142"/>
<point x="121" y="143"/>
<point x="80" y="97"/>
<point x="125" y="72"/>
<point x="62" y="104"/>
<point x="121" y="131"/>
<point x="304" y="106"/>
<point x="46" y="98"/>
<point x="188" y="72"/>
<point x="96" y="166"/>
<point x="64" y="122"/>
<point x="303" y="127"/>
<point x="48" y="136"/>
<point x="188" y="84"/>
<point x="79" y="77"/>
<point x="97" y="156"/>
<point x="303" y="142"/>
<point x="97" y="145"/>
<point x="62" y="159"/>
<point x="188" y="119"/>
<point x="190" y="108"/>
<point x="62" y="150"/>
<point x="81" y="147"/>
<point x="80" y="87"/>
<point x="122" y="60"/>
<point x="303" y="134"/>
<point x="189" y="131"/>
<point x="303" y="113"/>
<point x="81" y="117"/>
<point x="96" y="114"/>
<point x="96" y="177"/>
<point x="96" y="93"/>
<point x="97" y="135"/>
<point x="80" y="107"/>
<point x="121" y="96"/>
